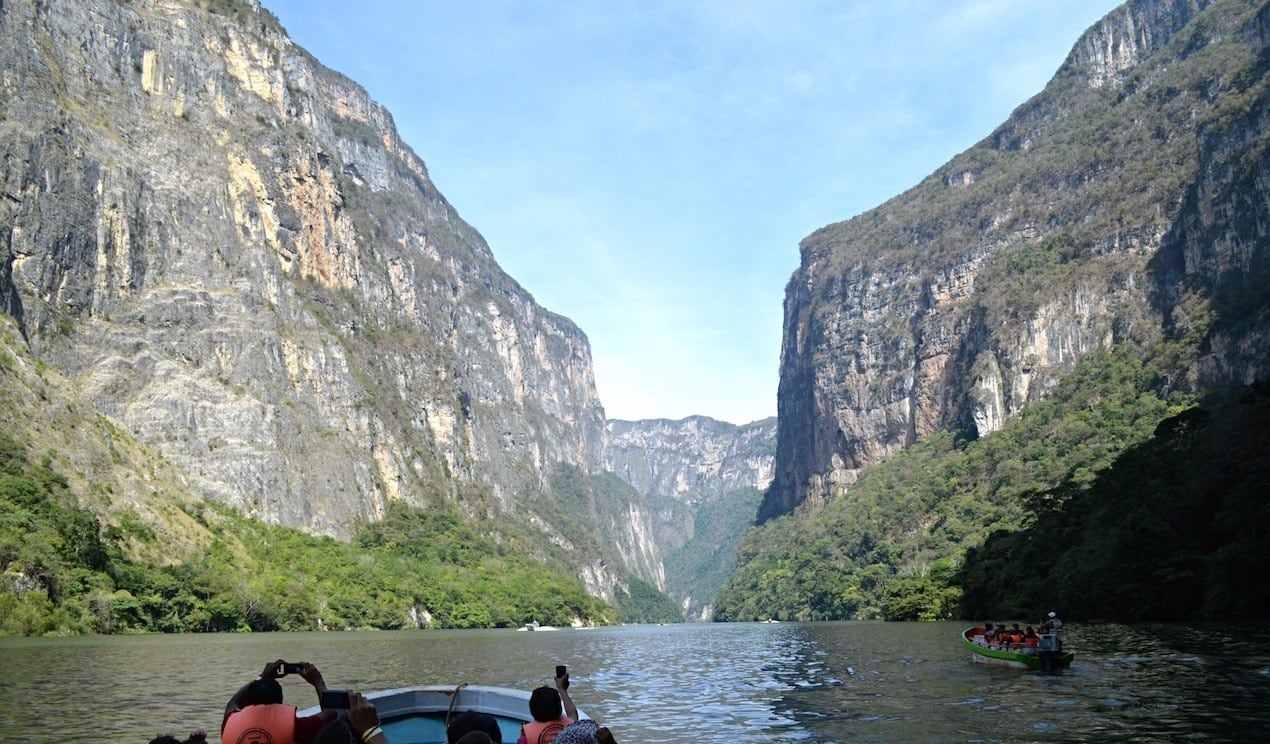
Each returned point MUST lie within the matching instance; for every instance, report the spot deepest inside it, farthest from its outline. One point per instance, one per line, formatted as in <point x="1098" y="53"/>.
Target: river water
<point x="783" y="682"/>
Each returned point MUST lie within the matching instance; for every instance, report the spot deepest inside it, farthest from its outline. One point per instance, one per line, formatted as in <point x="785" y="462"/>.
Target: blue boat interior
<point x="429" y="728"/>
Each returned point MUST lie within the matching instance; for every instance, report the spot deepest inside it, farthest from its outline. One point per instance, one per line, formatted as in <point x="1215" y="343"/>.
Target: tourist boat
<point x="418" y="715"/>
<point x="1043" y="656"/>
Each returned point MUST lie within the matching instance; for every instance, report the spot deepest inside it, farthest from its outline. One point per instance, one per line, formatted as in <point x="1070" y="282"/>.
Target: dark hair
<point x="544" y="704"/>
<point x="165" y="739"/>
<point x="469" y="721"/>
<point x="263" y="691"/>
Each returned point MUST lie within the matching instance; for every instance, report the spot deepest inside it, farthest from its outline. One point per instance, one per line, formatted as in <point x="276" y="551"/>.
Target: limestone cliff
<point x="1126" y="202"/>
<point x="701" y="479"/>
<point x="227" y="249"/>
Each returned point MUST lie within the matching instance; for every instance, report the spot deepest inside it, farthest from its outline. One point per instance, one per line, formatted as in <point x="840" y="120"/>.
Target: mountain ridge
<point x="958" y="303"/>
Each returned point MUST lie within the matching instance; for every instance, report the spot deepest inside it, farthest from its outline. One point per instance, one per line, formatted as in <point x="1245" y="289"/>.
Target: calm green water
<point x="809" y="683"/>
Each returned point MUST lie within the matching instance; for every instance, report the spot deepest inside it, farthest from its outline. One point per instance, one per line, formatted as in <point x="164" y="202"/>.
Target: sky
<point x="647" y="169"/>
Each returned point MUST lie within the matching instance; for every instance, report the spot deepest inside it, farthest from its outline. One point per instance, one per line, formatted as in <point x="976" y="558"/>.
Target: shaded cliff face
<point x="228" y="249"/>
<point x="1126" y="202"/>
<point x="701" y="479"/>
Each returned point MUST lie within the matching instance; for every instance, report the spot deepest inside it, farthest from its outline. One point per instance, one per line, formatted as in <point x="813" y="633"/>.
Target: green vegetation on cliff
<point x="889" y="547"/>
<point x="581" y="502"/>
<point x="1176" y="529"/>
<point x="65" y="574"/>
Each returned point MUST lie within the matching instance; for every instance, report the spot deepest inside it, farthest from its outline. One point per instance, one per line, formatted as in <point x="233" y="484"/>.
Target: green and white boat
<point x="1046" y="655"/>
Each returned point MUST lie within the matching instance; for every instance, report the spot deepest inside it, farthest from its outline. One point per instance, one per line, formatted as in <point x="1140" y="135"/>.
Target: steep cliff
<point x="702" y="480"/>
<point x="228" y="250"/>
<point x="1126" y="202"/>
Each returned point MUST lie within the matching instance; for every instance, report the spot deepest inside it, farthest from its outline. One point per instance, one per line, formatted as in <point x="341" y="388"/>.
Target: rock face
<point x="229" y="250"/>
<point x="696" y="474"/>
<point x="1126" y="202"/>
<point x="695" y="460"/>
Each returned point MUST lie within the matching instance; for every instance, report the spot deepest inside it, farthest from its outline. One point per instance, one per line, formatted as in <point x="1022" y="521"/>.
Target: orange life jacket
<point x="541" y="732"/>
<point x="260" y="724"/>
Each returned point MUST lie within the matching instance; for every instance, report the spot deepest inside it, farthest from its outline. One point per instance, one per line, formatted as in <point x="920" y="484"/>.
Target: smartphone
<point x="335" y="699"/>
<point x="563" y="671"/>
<point x="290" y="668"/>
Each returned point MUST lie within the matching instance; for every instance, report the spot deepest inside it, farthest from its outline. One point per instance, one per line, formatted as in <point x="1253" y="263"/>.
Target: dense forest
<point x="891" y="547"/>
<point x="1113" y="499"/>
<point x="1177" y="528"/>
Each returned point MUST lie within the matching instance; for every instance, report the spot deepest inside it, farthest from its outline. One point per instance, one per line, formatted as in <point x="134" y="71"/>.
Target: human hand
<point x="604" y="736"/>
<point x="309" y="673"/>
<point x="273" y="670"/>
<point x="362" y="715"/>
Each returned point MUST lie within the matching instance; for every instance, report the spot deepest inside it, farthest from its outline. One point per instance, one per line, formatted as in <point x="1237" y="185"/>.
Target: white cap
<point x="1053" y="615"/>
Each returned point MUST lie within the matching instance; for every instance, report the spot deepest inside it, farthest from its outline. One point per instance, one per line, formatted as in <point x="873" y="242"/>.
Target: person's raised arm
<point x="562" y="685"/>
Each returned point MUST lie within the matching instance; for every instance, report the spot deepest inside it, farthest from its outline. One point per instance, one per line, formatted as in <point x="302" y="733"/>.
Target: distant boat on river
<point x="1047" y="654"/>
<point x="535" y="626"/>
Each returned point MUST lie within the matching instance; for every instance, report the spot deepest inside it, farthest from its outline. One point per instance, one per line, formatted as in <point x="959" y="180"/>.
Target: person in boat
<point x="257" y="706"/>
<point x="470" y="721"/>
<point x="545" y="707"/>
<point x="360" y="727"/>
<point x="989" y="635"/>
<point x="1054" y="626"/>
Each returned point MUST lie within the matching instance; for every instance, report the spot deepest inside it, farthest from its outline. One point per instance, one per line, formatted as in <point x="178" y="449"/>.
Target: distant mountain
<point x="703" y="480"/>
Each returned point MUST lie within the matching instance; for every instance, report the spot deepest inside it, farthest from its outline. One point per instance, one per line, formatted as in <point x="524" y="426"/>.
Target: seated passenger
<point x="549" y="720"/>
<point x="258" y="706"/>
<point x="465" y="723"/>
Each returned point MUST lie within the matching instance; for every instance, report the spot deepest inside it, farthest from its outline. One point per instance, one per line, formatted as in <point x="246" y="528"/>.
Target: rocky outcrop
<point x="693" y="460"/>
<point x="1126" y="202"/>
<point x="231" y="252"/>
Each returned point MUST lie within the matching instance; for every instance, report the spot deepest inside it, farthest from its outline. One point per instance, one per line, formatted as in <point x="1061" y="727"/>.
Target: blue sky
<point x="648" y="168"/>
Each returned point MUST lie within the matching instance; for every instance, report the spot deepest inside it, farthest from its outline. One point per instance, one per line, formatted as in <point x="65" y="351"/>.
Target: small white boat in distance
<point x="535" y="626"/>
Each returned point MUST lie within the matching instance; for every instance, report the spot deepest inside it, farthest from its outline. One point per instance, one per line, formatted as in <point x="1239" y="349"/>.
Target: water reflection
<point x="809" y="683"/>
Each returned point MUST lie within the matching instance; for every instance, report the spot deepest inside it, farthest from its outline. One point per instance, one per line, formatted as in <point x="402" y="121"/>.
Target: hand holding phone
<point x="290" y="668"/>
<point x="562" y="671"/>
<point x="335" y="699"/>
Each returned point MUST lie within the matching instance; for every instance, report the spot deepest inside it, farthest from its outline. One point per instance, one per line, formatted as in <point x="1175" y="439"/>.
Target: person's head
<point x="582" y="732"/>
<point x="1016" y="626"/>
<point x="475" y="737"/>
<point x="544" y="704"/>
<point x="467" y="722"/>
<point x="263" y="691"/>
<point x="987" y="626"/>
<point x="165" y="739"/>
